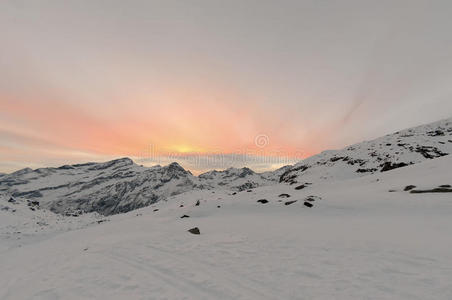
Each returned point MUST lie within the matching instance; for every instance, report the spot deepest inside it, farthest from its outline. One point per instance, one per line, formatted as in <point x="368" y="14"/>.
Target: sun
<point x="186" y="149"/>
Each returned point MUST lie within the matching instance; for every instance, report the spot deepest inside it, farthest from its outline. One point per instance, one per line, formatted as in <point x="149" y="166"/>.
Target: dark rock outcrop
<point x="387" y="166"/>
<point x="409" y="188"/>
<point x="284" y="196"/>
<point x="194" y="230"/>
<point x="290" y="202"/>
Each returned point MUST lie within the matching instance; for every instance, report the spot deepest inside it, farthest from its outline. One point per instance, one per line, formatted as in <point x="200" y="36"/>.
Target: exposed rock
<point x="290" y="202"/>
<point x="263" y="201"/>
<point x="387" y="166"/>
<point x="246" y="186"/>
<point x="197" y="203"/>
<point x="284" y="196"/>
<point x="312" y="198"/>
<point x="430" y="152"/>
<point x="409" y="188"/>
<point x="435" y="190"/>
<point x="300" y="187"/>
<point x="435" y="133"/>
<point x="308" y="204"/>
<point x="194" y="230"/>
<point x="33" y="203"/>
<point x="185" y="216"/>
<point x="290" y="175"/>
<point x="371" y="170"/>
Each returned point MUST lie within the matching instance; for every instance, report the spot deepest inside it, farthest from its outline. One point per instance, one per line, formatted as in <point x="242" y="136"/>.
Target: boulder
<point x="290" y="202"/>
<point x="409" y="188"/>
<point x="194" y="230"/>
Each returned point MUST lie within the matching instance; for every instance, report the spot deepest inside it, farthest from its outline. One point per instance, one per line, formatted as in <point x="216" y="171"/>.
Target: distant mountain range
<point x="117" y="186"/>
<point x="121" y="185"/>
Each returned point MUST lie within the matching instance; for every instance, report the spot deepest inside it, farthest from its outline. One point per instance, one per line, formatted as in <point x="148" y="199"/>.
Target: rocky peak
<point x="121" y="162"/>
<point x="22" y="172"/>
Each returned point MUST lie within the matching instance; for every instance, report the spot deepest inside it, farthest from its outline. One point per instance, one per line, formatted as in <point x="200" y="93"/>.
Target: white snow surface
<point x="406" y="147"/>
<point x="364" y="238"/>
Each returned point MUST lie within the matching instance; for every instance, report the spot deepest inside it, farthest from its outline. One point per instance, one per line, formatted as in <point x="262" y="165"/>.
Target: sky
<point x="213" y="84"/>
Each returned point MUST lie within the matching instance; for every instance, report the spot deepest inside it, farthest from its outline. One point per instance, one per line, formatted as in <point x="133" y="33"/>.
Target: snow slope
<point x="402" y="148"/>
<point x="364" y="238"/>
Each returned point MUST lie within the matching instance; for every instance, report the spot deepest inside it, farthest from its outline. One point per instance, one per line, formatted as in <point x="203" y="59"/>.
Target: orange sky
<point x="176" y="123"/>
<point x="162" y="80"/>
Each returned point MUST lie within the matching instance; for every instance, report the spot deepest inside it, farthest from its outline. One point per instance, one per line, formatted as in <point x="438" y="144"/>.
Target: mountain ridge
<point x="399" y="149"/>
<point x="121" y="185"/>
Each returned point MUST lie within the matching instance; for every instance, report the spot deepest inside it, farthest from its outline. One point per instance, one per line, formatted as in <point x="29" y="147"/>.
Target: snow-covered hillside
<point x="116" y="186"/>
<point x="237" y="179"/>
<point x="112" y="187"/>
<point x="396" y="150"/>
<point x="382" y="236"/>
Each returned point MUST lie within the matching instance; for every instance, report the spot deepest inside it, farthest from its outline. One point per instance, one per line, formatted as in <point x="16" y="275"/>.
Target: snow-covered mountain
<point x="116" y="186"/>
<point x="112" y="187"/>
<point x="121" y="185"/>
<point x="392" y="151"/>
<point x="276" y="174"/>
<point x="235" y="179"/>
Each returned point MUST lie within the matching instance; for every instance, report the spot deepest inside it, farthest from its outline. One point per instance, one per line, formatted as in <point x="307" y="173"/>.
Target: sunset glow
<point x="104" y="84"/>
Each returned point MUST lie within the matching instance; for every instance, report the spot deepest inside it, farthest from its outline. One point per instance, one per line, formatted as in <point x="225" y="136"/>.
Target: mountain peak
<point x="22" y="171"/>
<point x="123" y="160"/>
<point x="175" y="169"/>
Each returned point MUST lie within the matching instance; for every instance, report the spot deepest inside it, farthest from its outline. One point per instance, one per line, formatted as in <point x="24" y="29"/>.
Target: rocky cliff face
<point x="116" y="186"/>
<point x="112" y="187"/>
